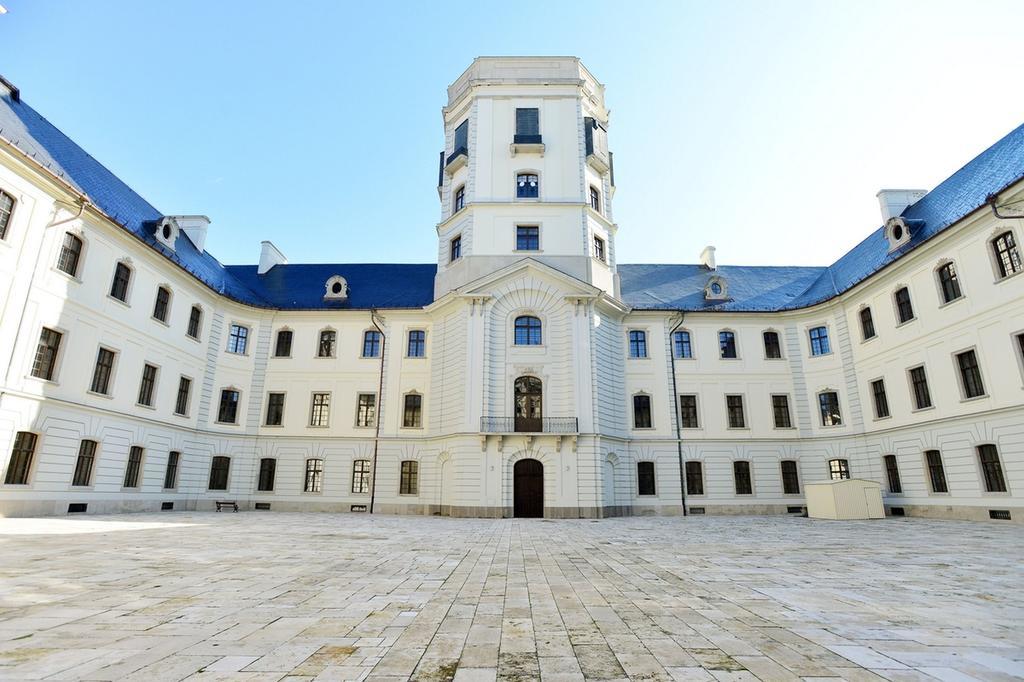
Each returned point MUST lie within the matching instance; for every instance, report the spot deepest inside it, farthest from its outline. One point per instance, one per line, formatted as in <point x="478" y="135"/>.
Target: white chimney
<point x="894" y="201"/>
<point x="269" y="257"/>
<point x="707" y="257"/>
<point x="194" y="226"/>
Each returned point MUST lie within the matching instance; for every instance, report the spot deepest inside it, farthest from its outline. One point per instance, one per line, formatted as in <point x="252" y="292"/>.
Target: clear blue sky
<point x="762" y="128"/>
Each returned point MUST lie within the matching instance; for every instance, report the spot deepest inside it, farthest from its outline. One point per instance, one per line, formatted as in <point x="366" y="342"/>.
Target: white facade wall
<point x="471" y="363"/>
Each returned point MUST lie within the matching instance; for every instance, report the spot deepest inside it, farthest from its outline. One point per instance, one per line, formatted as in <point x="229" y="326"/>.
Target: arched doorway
<point x="528" y="396"/>
<point x="528" y="489"/>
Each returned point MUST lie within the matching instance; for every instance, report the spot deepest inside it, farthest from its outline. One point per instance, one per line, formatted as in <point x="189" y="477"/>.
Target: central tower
<point x="526" y="172"/>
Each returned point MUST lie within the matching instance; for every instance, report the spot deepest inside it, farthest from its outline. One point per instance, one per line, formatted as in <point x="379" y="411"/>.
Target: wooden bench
<point x="228" y="503"/>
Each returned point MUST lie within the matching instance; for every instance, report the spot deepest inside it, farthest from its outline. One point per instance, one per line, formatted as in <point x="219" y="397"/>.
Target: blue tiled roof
<point x="370" y="285"/>
<point x="667" y="287"/>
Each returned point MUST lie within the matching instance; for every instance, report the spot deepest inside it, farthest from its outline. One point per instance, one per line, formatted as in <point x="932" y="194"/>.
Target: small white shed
<point x="848" y="499"/>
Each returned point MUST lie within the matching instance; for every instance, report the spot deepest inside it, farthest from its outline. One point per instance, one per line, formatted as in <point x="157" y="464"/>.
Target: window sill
<point x="100" y="395"/>
<point x="408" y="494"/>
<point x="192" y="338"/>
<point x="369" y="357"/>
<point x="118" y="301"/>
<point x="737" y="428"/>
<point x="689" y="357"/>
<point x="1000" y="280"/>
<point x="973" y="399"/>
<point x="280" y="357"/>
<point x="318" y="426"/>
<point x="639" y="357"/>
<point x="143" y="405"/>
<point x="922" y="409"/>
<point x="599" y="260"/>
<point x="946" y="304"/>
<point x="325" y="357"/>
<point x="219" y="423"/>
<point x="178" y="414"/>
<point x="869" y="339"/>
<point x="996" y="493"/>
<point x="241" y="355"/>
<point x="74" y="278"/>
<point x="52" y="382"/>
<point x="729" y="359"/>
<point x="273" y="426"/>
<point x="906" y="322"/>
<point x="775" y="359"/>
<point x="527" y="250"/>
<point x="365" y="426"/>
<point x="643" y="428"/>
<point x="783" y="428"/>
<point x="820" y="355"/>
<point x="163" y="322"/>
<point x="832" y="426"/>
<point x="415" y="357"/>
<point x="410" y="428"/>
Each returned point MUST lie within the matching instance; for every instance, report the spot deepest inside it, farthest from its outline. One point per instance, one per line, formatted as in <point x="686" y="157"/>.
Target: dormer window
<point x="716" y="289"/>
<point x="897" y="232"/>
<point x="336" y="289"/>
<point x="167" y="232"/>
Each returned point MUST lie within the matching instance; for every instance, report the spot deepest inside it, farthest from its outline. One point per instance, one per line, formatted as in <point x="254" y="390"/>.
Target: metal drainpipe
<point x="991" y="201"/>
<point x="380" y="406"/>
<point x="83" y="201"/>
<point x="675" y="402"/>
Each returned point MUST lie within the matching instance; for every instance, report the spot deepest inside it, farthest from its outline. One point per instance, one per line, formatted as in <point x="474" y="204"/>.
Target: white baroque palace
<point x="528" y="372"/>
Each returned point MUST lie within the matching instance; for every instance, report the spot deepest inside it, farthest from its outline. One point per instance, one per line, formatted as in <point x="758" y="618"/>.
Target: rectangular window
<point x="688" y="412"/>
<point x="328" y="342"/>
<point x="645" y="478"/>
<point x="6" y="209"/>
<point x="182" y="399"/>
<point x="867" y="324"/>
<point x="919" y="384"/>
<point x="838" y="469"/>
<point x="147" y="385"/>
<point x="681" y="345"/>
<point x="412" y="415"/>
<point x="904" y="309"/>
<point x="741" y="475"/>
<point x="892" y="472"/>
<point x="238" y="339"/>
<point x="314" y="476"/>
<point x="819" y="341"/>
<point x="727" y="345"/>
<point x="936" y="472"/>
<point x="371" y="344"/>
<point x="790" y="477"/>
<point x="991" y="469"/>
<point x="599" y="249"/>
<point x="970" y="374"/>
<point x="637" y="343"/>
<point x="881" y="400"/>
<point x="461" y="138"/>
<point x="102" y="372"/>
<point x="171" y="472"/>
<point x="595" y="199"/>
<point x="275" y="409"/>
<point x="772" y="348"/>
<point x="460" y="199"/>
<point x="417" y="343"/>
<point x="694" y="478"/>
<point x="949" y="284"/>
<point x="1007" y="256"/>
<point x="361" y="476"/>
<point x="366" y="410"/>
<point x="268" y="468"/>
<point x="162" y="305"/>
<point x="455" y="249"/>
<point x="283" y="344"/>
<point x="734" y="408"/>
<point x="20" y="464"/>
<point x="527" y="238"/>
<point x="70" y="253"/>
<point x="828" y="403"/>
<point x="641" y="412"/>
<point x="228" y="411"/>
<point x="83" y="465"/>
<point x="134" y="467"/>
<point x="527" y="125"/>
<point x="219" y="468"/>
<point x="122" y="278"/>
<point x="195" y="319"/>
<point x="780" y="410"/>
<point x="527" y="186"/>
<point x="45" y="363"/>
<point x="409" y="483"/>
<point x="320" y="410"/>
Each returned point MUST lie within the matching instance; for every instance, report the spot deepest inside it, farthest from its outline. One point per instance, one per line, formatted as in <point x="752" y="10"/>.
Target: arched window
<point x="528" y="396"/>
<point x="162" y="305"/>
<point x="595" y="198"/>
<point x="727" y="344"/>
<point x="70" y="253"/>
<point x="527" y="186"/>
<point x="527" y="331"/>
<point x="6" y="209"/>
<point x="459" y="202"/>
<point x="328" y="343"/>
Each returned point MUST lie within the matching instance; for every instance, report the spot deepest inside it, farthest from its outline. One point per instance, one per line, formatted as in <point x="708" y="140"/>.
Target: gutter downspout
<point x="83" y="201"/>
<point x="380" y="406"/>
<point x="675" y="402"/>
<point x="991" y="201"/>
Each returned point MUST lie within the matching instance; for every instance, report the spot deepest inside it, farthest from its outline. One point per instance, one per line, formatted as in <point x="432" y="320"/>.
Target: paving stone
<point x="351" y="597"/>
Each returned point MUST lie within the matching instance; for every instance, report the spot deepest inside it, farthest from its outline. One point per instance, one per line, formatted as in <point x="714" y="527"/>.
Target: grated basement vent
<point x="166" y="506"/>
<point x="897" y="511"/>
<point x="794" y="510"/>
<point x="79" y="507"/>
<point x="999" y="514"/>
<point x="358" y="508"/>
<point x="696" y="510"/>
<point x="262" y="506"/>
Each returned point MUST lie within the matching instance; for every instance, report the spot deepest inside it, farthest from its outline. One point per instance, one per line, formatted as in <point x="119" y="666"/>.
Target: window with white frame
<point x="238" y="339"/>
<point x="819" y="341"/>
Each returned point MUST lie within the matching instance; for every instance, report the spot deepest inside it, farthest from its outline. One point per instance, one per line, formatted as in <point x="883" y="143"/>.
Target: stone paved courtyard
<point x="271" y="596"/>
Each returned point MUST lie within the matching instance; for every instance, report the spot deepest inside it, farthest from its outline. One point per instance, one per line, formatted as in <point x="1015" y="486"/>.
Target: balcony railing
<point x="555" y="425"/>
<point x="456" y="159"/>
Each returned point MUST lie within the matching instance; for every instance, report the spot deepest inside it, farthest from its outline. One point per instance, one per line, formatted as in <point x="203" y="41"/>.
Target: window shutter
<point x="527" y="121"/>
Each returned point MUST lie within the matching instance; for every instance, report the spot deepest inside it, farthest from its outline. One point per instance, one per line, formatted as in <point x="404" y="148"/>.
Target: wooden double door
<point x="528" y="489"/>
